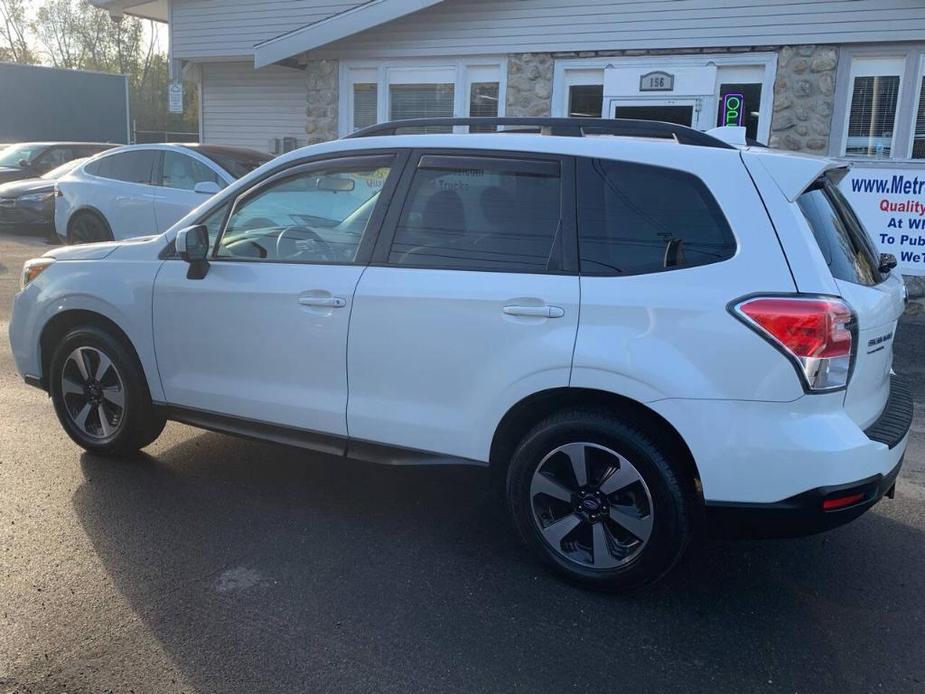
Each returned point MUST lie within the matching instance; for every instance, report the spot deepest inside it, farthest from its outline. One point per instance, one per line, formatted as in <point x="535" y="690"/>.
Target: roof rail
<point x="567" y="127"/>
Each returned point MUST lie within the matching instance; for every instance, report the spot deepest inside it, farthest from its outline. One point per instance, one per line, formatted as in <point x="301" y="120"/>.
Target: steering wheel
<point x="296" y="242"/>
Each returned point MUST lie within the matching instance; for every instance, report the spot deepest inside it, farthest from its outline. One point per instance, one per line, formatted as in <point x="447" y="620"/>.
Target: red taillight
<point x="815" y="332"/>
<point x="838" y="502"/>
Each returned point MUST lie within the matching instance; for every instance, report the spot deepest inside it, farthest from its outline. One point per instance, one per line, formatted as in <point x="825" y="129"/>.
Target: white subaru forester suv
<point x="640" y="329"/>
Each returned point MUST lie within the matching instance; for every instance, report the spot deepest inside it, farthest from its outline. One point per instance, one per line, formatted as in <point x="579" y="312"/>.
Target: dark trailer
<point x="43" y="104"/>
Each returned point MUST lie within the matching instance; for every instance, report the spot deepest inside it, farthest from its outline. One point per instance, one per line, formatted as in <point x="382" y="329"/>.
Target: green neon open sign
<point x="733" y="109"/>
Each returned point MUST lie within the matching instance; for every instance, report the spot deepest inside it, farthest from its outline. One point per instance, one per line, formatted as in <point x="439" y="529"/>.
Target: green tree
<point x="14" y="33"/>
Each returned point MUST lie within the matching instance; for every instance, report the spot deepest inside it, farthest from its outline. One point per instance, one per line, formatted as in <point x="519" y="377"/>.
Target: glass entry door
<point x="682" y="115"/>
<point x="680" y="111"/>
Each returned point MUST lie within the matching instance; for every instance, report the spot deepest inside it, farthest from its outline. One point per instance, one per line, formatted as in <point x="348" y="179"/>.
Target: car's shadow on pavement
<point x="265" y="568"/>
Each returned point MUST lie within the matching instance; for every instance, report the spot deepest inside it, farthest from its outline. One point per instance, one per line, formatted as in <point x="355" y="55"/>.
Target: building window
<point x="364" y="104"/>
<point x="404" y="90"/>
<point x="421" y="101"/>
<point x="483" y="103"/>
<point x="875" y="85"/>
<point x="585" y="100"/>
<point x="918" y="133"/>
<point x="879" y="104"/>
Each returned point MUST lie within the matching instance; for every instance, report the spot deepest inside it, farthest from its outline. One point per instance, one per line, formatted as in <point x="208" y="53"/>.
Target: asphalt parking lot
<point x="214" y="564"/>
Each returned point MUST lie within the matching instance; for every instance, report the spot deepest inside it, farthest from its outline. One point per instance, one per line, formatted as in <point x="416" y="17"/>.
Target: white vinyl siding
<point x="466" y="27"/>
<point x="223" y="28"/>
<point x="246" y="107"/>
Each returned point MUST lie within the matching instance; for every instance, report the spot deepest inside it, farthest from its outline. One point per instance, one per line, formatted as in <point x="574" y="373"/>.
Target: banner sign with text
<point x="891" y="205"/>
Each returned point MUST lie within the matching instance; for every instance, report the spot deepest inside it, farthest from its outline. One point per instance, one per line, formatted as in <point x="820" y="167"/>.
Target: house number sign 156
<point x="656" y="82"/>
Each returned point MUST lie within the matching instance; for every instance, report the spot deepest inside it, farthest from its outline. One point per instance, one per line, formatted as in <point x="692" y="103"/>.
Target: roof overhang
<point x="146" y="9"/>
<point x="339" y="26"/>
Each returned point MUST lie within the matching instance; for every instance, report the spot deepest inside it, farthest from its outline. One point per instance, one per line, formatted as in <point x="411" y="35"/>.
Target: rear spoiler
<point x="794" y="173"/>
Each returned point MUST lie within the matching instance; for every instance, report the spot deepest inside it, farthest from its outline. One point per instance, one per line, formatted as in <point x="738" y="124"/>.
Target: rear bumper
<point x="767" y="458"/>
<point x="802" y="514"/>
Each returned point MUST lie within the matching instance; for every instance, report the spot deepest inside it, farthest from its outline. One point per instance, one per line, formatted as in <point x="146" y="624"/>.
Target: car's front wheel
<point x="100" y="393"/>
<point x="88" y="227"/>
<point x="599" y="500"/>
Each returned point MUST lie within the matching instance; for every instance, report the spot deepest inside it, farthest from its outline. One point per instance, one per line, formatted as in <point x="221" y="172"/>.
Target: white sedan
<point x="143" y="189"/>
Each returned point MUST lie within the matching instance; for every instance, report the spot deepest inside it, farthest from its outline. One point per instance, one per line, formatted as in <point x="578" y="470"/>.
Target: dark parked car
<point x="32" y="159"/>
<point x="29" y="206"/>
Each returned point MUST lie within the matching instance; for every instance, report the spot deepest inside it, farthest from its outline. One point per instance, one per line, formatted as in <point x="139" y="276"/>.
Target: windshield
<point x="238" y="164"/>
<point x="11" y="155"/>
<point x="65" y="168"/>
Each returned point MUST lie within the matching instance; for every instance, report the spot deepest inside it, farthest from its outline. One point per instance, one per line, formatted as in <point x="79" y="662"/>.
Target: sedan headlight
<point x="37" y="197"/>
<point x="33" y="268"/>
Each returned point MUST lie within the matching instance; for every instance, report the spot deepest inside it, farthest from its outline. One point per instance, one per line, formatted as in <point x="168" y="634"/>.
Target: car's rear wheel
<point x="100" y="393"/>
<point x="599" y="500"/>
<point x="88" y="227"/>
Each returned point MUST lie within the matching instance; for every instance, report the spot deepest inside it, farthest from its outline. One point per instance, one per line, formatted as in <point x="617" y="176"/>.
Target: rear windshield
<point x="236" y="162"/>
<point x="848" y="250"/>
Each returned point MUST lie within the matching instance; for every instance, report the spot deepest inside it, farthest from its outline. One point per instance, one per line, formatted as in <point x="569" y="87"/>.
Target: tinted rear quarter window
<point x="131" y="167"/>
<point x="844" y="244"/>
<point x="637" y="218"/>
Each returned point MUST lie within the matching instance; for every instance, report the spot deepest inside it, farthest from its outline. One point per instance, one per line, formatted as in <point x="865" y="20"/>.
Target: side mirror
<point x="887" y="262"/>
<point x="24" y="164"/>
<point x="193" y="247"/>
<point x="206" y="188"/>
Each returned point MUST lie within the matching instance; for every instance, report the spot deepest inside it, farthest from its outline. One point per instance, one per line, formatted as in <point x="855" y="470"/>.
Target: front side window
<point x="54" y="157"/>
<point x="182" y="172"/>
<point x="637" y="218"/>
<point x="847" y="249"/>
<point x="317" y="216"/>
<point x="130" y="167"/>
<point x="875" y="84"/>
<point x="479" y="213"/>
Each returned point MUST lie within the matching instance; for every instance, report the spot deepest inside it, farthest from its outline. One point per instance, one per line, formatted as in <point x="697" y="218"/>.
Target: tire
<point x="627" y="526"/>
<point x="87" y="401"/>
<point x="88" y="227"/>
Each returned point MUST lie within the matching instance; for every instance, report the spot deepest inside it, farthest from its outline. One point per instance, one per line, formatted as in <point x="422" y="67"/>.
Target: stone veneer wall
<point x="321" y="86"/>
<point x="804" y="98"/>
<point x="529" y="85"/>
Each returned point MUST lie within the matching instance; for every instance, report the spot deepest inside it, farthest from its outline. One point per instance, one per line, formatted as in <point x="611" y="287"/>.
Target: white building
<point x="837" y="77"/>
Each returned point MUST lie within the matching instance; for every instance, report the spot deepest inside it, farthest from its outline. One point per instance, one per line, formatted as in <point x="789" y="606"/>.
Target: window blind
<point x="872" y="115"/>
<point x="918" y="136"/>
<point x="364" y="105"/>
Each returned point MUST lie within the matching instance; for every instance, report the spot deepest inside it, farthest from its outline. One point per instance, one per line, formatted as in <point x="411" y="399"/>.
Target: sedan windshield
<point x="62" y="170"/>
<point x="11" y="156"/>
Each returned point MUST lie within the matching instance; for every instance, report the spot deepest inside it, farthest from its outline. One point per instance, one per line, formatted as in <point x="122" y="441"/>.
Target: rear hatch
<point x="877" y="297"/>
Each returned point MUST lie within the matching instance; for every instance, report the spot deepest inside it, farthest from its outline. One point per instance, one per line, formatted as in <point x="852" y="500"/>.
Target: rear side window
<point x="845" y="245"/>
<point x="481" y="213"/>
<point x="637" y="218"/>
<point x="131" y="167"/>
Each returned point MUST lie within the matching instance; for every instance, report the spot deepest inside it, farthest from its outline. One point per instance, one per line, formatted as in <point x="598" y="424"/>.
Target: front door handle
<point x="323" y="301"/>
<point x="534" y="311"/>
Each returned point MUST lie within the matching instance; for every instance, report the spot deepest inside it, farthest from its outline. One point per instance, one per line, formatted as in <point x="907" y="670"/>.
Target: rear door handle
<point x="534" y="311"/>
<point x="323" y="301"/>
